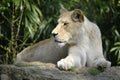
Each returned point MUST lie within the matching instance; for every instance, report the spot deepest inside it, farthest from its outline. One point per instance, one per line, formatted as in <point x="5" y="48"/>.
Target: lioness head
<point x="68" y="27"/>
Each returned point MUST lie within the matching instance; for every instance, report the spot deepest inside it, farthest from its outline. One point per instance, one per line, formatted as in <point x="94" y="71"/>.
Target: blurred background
<point x="25" y="22"/>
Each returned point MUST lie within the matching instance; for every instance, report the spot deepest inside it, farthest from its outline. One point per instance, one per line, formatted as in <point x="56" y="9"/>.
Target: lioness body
<point x="80" y="42"/>
<point x="38" y="52"/>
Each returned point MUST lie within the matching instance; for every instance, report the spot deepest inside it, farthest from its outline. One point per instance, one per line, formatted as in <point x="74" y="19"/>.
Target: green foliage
<point x="21" y="22"/>
<point x="25" y="22"/>
<point x="94" y="72"/>
<point x="116" y="49"/>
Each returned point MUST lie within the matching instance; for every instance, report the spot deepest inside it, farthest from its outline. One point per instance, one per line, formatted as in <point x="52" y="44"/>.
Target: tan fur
<point x="77" y="43"/>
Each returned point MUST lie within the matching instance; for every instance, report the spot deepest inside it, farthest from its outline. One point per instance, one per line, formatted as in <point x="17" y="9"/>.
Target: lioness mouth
<point x="58" y="41"/>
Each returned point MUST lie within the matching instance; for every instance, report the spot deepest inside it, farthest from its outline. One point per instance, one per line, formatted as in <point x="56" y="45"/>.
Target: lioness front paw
<point x="66" y="63"/>
<point x="102" y="63"/>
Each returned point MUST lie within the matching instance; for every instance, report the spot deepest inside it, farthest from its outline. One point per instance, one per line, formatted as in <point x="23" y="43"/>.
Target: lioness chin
<point x="80" y="42"/>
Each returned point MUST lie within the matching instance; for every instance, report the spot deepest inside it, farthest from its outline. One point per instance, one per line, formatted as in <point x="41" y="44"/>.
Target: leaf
<point x="118" y="55"/>
<point x="117" y="43"/>
<point x="36" y="13"/>
<point x="113" y="49"/>
<point x="27" y="4"/>
<point x="17" y="2"/>
<point x="117" y="33"/>
<point x="116" y="52"/>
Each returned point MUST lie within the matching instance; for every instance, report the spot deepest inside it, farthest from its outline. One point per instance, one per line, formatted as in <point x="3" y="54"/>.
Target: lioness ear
<point x="77" y="15"/>
<point x="63" y="10"/>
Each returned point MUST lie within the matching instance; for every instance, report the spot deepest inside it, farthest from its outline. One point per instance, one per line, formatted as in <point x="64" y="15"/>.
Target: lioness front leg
<point x="66" y="63"/>
<point x="69" y="62"/>
<point x="75" y="59"/>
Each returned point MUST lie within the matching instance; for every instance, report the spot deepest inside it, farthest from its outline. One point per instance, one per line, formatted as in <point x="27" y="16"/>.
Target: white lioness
<point x="76" y="43"/>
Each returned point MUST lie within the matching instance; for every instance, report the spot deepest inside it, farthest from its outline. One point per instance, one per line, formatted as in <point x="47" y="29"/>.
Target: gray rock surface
<point x="50" y="72"/>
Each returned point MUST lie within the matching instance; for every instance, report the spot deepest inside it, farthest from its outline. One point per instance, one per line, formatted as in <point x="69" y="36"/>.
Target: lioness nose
<point x="54" y="34"/>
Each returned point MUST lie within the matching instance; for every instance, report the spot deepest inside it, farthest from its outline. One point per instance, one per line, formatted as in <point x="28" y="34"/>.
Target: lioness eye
<point x="65" y="24"/>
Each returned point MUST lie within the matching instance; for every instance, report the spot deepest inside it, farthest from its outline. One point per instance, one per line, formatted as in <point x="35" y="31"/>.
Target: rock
<point x="51" y="72"/>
